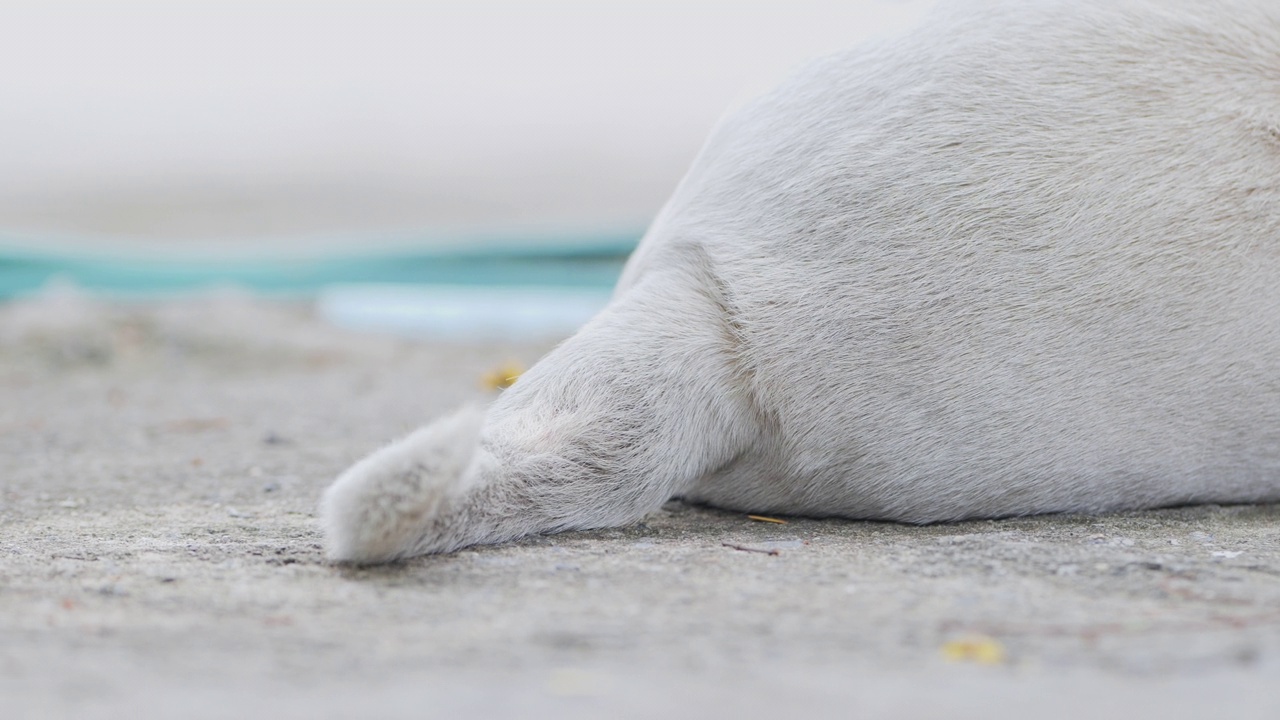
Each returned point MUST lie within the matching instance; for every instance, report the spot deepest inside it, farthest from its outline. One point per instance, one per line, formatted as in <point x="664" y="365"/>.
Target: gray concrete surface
<point x="159" y="557"/>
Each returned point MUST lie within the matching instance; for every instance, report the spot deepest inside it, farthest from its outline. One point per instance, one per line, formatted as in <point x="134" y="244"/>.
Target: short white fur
<point x="1025" y="259"/>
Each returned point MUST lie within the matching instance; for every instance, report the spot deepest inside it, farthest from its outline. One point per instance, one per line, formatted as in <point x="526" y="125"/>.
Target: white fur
<point x="1024" y="260"/>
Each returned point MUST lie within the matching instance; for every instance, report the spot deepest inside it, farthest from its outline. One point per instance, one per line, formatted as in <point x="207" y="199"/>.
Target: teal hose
<point x="582" y="263"/>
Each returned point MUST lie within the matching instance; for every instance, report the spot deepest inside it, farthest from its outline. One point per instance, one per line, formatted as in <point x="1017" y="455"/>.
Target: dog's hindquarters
<point x="615" y="421"/>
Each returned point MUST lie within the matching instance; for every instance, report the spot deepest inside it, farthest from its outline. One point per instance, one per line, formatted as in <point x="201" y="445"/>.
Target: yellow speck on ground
<point x="501" y="377"/>
<point x="976" y="649"/>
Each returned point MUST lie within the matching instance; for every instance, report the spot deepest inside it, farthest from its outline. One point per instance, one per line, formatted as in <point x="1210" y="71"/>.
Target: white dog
<point x="1023" y="260"/>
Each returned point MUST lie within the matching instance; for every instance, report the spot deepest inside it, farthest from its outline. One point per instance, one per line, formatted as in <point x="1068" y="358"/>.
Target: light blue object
<point x="466" y="313"/>
<point x="592" y="261"/>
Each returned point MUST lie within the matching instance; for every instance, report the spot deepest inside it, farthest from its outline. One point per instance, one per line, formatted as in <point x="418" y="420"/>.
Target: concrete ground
<point x="159" y="557"/>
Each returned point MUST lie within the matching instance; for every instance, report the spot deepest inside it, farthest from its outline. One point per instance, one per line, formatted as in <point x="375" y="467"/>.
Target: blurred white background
<point x="275" y="119"/>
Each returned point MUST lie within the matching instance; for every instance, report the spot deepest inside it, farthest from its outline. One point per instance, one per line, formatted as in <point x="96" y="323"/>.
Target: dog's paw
<point x="379" y="509"/>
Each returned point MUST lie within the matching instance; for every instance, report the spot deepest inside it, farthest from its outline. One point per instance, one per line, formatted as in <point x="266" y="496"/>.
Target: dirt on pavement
<point x="160" y="557"/>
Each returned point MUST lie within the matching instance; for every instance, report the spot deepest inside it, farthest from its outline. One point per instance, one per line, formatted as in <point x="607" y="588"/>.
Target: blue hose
<point x="574" y="262"/>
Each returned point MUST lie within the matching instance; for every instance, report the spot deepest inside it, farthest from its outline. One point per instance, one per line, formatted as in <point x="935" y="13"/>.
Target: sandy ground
<point x="159" y="557"/>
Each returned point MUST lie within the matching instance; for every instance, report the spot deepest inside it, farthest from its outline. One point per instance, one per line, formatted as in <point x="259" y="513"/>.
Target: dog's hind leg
<point x="644" y="400"/>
